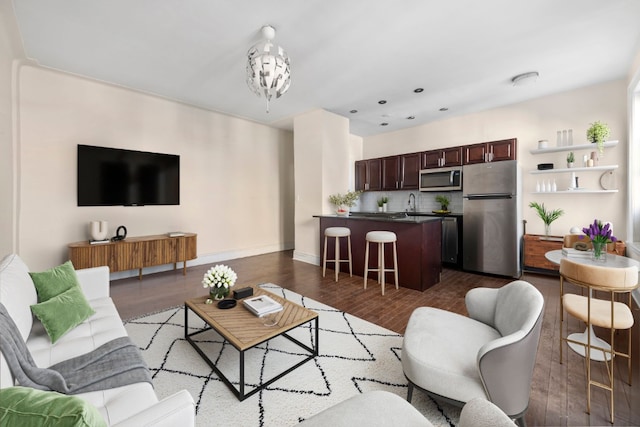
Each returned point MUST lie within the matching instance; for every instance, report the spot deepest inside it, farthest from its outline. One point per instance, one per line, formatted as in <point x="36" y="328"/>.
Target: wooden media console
<point x="135" y="253"/>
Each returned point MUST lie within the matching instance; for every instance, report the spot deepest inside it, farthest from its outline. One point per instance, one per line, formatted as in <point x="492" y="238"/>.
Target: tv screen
<point x="115" y="177"/>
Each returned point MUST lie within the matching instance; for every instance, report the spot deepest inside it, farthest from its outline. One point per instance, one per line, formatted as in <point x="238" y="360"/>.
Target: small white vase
<point x="98" y="230"/>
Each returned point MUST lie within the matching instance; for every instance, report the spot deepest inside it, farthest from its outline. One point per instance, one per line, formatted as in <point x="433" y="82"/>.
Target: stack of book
<point x="575" y="253"/>
<point x="262" y="305"/>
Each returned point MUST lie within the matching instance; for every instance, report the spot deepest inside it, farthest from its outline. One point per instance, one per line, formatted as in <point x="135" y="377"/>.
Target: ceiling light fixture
<point x="418" y="90"/>
<point x="268" y="68"/>
<point x="382" y="102"/>
<point x="525" y="79"/>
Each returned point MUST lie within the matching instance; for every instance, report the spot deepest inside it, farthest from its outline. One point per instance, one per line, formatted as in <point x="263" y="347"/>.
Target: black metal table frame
<point x="239" y="392"/>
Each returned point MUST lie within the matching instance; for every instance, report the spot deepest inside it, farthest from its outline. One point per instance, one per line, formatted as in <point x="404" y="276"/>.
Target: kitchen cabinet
<point x="494" y="151"/>
<point x="391" y="173"/>
<point x="592" y="147"/>
<point x="410" y="171"/>
<point x="368" y="175"/>
<point x="445" y="157"/>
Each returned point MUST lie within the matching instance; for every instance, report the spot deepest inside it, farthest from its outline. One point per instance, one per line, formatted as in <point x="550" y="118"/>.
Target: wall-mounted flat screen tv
<point x="117" y="177"/>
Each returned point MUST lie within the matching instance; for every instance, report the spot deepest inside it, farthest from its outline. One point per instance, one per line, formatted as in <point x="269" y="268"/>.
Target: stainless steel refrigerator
<point x="492" y="218"/>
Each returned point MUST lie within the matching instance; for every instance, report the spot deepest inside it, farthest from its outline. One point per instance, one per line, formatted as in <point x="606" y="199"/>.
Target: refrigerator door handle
<point x="488" y="196"/>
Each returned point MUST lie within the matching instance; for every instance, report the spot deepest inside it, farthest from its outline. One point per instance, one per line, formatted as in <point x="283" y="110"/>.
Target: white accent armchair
<point x="490" y="354"/>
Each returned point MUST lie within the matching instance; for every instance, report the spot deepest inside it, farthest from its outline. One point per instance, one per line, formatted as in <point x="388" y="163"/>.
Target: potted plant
<point x="444" y="202"/>
<point x="380" y="205"/>
<point x="597" y="133"/>
<point x="570" y="159"/>
<point x="547" y="216"/>
<point x="343" y="202"/>
<point x="382" y="201"/>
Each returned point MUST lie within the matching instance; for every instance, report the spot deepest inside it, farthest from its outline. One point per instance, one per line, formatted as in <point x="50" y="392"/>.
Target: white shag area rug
<point x="354" y="356"/>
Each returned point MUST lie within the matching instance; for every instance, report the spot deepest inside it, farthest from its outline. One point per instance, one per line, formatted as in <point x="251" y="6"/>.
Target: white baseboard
<point x="305" y="257"/>
<point x="205" y="259"/>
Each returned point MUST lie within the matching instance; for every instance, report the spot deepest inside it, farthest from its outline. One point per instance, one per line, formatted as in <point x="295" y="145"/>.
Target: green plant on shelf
<point x="597" y="133"/>
<point x="547" y="216"/>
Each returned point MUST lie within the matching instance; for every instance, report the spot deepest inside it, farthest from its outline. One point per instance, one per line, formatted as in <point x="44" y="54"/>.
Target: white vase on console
<point x="98" y="230"/>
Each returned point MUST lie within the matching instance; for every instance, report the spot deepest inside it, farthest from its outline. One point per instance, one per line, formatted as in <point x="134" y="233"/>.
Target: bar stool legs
<point x="337" y="232"/>
<point x="381" y="237"/>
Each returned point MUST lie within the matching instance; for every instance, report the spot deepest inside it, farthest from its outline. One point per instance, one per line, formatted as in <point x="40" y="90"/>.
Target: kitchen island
<point x="419" y="245"/>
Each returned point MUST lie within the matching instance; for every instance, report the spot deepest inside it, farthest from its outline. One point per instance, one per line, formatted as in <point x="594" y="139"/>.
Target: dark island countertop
<point x="406" y="217"/>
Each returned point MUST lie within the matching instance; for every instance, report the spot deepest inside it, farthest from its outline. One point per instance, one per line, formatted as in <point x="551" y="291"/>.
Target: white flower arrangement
<point x="219" y="276"/>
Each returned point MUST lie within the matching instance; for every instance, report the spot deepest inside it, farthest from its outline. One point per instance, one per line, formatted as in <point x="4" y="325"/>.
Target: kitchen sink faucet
<point x="413" y="209"/>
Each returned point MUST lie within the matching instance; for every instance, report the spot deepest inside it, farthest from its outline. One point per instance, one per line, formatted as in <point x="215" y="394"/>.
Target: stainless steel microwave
<point x="441" y="179"/>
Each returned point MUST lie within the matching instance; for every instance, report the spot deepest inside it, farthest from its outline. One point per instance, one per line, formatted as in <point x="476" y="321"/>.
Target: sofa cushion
<point x="62" y="313"/>
<point x="17" y="292"/>
<point x="26" y="407"/>
<point x="98" y="329"/>
<point x="55" y="281"/>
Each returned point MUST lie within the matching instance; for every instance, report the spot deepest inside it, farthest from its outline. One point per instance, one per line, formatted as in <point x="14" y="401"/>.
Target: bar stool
<point x="337" y="232"/>
<point x="381" y="237"/>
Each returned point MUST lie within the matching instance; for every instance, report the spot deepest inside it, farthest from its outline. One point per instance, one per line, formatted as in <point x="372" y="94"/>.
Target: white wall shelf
<point x="586" y="191"/>
<point x="564" y="170"/>
<point x="589" y="146"/>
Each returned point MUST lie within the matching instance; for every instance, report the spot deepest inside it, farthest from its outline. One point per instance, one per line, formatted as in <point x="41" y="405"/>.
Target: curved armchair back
<point x="519" y="309"/>
<point x="600" y="278"/>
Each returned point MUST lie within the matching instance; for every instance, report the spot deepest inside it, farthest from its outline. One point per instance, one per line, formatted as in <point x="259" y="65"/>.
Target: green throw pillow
<point x="28" y="407"/>
<point x="55" y="281"/>
<point x="62" y="313"/>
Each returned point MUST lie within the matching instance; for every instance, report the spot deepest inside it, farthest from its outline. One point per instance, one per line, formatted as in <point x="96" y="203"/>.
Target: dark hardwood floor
<point x="558" y="391"/>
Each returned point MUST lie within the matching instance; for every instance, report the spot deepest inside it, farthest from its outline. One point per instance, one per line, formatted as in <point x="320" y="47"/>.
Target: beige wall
<point x="529" y="122"/>
<point x="325" y="154"/>
<point x="236" y="175"/>
<point x="11" y="54"/>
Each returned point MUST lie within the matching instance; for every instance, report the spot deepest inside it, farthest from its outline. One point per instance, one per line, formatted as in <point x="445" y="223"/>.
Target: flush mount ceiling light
<point x="268" y="68"/>
<point x="525" y="79"/>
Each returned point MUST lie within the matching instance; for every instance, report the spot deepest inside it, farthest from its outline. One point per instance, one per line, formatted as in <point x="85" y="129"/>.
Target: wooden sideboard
<point x="535" y="246"/>
<point x="135" y="253"/>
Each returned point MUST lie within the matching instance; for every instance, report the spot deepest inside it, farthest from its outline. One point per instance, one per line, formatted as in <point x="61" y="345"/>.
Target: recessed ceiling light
<point x="444" y="109"/>
<point x="384" y="124"/>
<point x="525" y="79"/>
<point x="418" y="90"/>
<point x="382" y="101"/>
<point x="353" y="111"/>
<point x="411" y="117"/>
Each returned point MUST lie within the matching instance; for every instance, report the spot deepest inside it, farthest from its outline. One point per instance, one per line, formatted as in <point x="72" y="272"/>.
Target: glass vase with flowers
<point x="600" y="235"/>
<point x="219" y="279"/>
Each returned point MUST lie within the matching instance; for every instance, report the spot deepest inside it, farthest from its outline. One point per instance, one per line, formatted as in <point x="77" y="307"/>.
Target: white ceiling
<point x="345" y="54"/>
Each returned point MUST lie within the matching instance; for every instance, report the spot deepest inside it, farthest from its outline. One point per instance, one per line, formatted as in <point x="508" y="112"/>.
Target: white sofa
<point x="132" y="405"/>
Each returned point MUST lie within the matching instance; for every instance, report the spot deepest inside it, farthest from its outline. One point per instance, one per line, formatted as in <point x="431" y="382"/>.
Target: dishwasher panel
<point x="450" y="246"/>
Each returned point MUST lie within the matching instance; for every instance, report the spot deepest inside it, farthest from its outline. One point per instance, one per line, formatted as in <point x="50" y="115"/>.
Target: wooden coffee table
<point x="243" y="330"/>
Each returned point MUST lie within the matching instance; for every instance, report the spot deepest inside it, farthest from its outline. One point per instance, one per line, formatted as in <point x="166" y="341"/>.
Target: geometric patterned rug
<point x="354" y="356"/>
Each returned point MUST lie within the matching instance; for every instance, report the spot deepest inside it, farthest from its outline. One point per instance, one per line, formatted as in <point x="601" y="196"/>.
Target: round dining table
<point x="611" y="261"/>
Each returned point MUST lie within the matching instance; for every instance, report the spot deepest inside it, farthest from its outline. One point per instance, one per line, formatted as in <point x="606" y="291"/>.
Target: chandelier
<point x="268" y="69"/>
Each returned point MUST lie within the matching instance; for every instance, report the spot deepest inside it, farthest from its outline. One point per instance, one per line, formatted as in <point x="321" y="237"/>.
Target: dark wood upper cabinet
<point x="502" y="150"/>
<point x="475" y="153"/>
<point x="494" y="151"/>
<point x="445" y="157"/>
<point x="403" y="171"/>
<point x="410" y="171"/>
<point x="368" y="175"/>
<point x="391" y="173"/>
